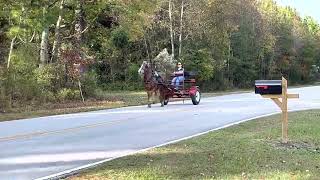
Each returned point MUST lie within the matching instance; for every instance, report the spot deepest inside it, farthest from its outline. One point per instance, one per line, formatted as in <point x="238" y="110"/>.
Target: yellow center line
<point x="41" y="133"/>
<point x="68" y="130"/>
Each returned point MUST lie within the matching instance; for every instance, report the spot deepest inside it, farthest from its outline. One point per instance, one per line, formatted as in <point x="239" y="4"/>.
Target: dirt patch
<point x="81" y="104"/>
<point x="296" y="146"/>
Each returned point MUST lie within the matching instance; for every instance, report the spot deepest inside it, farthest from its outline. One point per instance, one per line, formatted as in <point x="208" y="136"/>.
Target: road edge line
<point x="73" y="171"/>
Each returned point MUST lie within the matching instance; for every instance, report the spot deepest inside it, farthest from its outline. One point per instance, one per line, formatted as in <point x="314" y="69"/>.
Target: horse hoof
<point x="162" y="105"/>
<point x="149" y="106"/>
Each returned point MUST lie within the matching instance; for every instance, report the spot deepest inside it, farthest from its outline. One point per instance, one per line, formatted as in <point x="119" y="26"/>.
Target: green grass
<point x="54" y="109"/>
<point x="106" y="100"/>
<point x="251" y="150"/>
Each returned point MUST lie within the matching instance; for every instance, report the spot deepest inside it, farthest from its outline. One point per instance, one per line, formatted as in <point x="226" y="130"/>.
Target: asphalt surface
<point x="38" y="147"/>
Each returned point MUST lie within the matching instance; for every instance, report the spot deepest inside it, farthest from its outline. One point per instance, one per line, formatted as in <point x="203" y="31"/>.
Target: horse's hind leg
<point x="154" y="95"/>
<point x="161" y="98"/>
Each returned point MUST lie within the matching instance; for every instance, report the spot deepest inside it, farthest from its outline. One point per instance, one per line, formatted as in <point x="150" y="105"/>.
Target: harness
<point x="155" y="77"/>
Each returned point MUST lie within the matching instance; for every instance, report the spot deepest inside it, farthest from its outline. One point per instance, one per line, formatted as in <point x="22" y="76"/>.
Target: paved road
<point x="38" y="147"/>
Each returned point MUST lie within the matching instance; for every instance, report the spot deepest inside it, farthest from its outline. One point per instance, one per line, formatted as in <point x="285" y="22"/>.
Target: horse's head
<point x="142" y="69"/>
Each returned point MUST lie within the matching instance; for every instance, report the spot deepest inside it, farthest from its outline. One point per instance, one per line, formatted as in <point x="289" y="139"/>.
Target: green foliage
<point x="89" y="83"/>
<point x="68" y="94"/>
<point x="201" y="62"/>
<point x="120" y="38"/>
<point x="133" y="73"/>
<point x="49" y="78"/>
<point x="3" y="94"/>
<point x="244" y="73"/>
<point x="229" y="44"/>
<point x="15" y="31"/>
<point x="314" y="73"/>
<point x="21" y="83"/>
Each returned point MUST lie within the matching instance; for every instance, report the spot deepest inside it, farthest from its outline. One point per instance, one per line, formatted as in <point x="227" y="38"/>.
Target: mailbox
<point x="268" y="87"/>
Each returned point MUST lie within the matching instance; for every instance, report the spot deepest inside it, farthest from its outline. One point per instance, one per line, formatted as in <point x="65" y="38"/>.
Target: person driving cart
<point x="179" y="76"/>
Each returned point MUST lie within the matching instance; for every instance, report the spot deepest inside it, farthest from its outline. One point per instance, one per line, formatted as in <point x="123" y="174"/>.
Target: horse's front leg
<point x="149" y="98"/>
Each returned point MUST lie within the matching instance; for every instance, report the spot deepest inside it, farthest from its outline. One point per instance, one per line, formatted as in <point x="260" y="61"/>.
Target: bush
<point x="314" y="73"/>
<point x="3" y="98"/>
<point x="49" y="97"/>
<point x="68" y="94"/>
<point x="133" y="73"/>
<point x="49" y="80"/>
<point x="21" y="81"/>
<point x="49" y="77"/>
<point x="200" y="61"/>
<point x="89" y="83"/>
<point x="120" y="38"/>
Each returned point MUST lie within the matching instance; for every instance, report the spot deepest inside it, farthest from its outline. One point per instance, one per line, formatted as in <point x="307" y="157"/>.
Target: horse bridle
<point x="154" y="73"/>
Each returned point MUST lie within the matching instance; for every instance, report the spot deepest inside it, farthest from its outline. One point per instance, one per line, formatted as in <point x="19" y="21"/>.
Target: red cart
<point x="187" y="89"/>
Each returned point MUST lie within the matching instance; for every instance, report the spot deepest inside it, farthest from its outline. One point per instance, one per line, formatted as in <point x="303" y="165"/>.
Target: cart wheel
<point x="166" y="101"/>
<point x="196" y="98"/>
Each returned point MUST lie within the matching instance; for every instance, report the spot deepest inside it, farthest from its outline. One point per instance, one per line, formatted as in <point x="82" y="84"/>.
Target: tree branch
<point x="73" y="35"/>
<point x="33" y="35"/>
<point x="53" y="3"/>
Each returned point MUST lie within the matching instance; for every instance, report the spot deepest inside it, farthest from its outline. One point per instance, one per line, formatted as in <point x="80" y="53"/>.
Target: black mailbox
<point x="268" y="87"/>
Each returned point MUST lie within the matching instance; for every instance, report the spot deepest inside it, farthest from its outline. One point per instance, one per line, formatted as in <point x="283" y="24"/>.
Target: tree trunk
<point x="228" y="62"/>
<point x="80" y="89"/>
<point x="7" y="90"/>
<point x="10" y="52"/>
<point x="44" y="45"/>
<point x="181" y="26"/>
<point x="57" y="41"/>
<point x="80" y="23"/>
<point x="171" y="29"/>
<point x="44" y="56"/>
<point x="146" y="46"/>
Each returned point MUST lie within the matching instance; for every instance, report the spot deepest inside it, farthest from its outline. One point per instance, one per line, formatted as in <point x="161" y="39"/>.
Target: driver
<point x="179" y="76"/>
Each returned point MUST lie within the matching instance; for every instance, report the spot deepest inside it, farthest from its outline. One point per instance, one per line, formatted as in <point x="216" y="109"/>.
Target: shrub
<point x="89" y="83"/>
<point x="21" y="81"/>
<point x="133" y="73"/>
<point x="49" y="80"/>
<point x="68" y="94"/>
<point x="200" y="61"/>
<point x="120" y="38"/>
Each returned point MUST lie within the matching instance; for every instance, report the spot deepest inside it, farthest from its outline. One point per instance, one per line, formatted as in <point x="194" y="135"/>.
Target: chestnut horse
<point x="153" y="83"/>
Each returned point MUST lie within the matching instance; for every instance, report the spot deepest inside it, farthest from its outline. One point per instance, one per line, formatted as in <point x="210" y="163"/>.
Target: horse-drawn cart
<point x="154" y="84"/>
<point x="187" y="89"/>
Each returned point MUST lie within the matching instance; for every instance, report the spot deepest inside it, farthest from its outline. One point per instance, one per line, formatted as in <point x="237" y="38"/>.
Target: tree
<point x="181" y="27"/>
<point x="58" y="39"/>
<point x="171" y="29"/>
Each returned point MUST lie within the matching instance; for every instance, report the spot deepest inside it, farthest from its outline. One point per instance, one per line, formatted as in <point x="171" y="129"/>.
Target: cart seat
<point x="190" y="75"/>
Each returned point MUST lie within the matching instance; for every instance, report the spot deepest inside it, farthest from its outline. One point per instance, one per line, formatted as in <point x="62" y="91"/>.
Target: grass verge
<point x="107" y="100"/>
<point x="251" y="150"/>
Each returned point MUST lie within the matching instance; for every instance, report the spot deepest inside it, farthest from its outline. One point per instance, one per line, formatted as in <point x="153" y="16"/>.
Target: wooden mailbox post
<point x="282" y="101"/>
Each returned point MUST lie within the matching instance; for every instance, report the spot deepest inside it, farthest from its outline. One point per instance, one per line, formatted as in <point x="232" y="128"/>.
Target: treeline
<point x="49" y="49"/>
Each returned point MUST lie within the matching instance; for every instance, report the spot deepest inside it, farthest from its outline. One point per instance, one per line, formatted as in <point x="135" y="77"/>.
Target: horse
<point x="153" y="83"/>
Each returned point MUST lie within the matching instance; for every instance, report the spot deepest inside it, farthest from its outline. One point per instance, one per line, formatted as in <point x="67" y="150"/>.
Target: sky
<point x="304" y="7"/>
